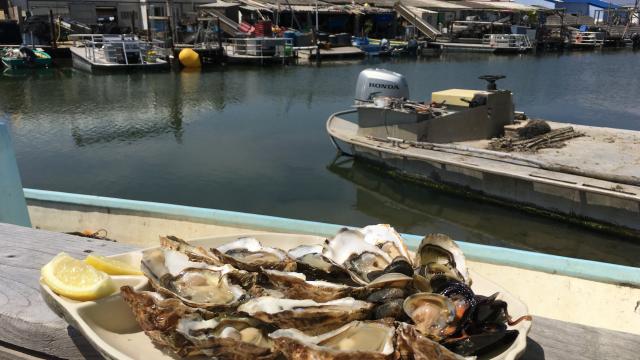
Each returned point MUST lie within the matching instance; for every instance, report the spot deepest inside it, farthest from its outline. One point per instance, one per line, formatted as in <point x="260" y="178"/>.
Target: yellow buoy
<point x="189" y="58"/>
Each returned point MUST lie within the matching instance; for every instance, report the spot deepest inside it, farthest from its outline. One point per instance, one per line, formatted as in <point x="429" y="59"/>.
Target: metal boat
<point x="259" y="50"/>
<point x="93" y="52"/>
<point x="589" y="175"/>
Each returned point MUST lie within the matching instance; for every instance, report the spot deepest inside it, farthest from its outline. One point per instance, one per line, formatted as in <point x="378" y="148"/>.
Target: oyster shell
<point x="193" y="253"/>
<point x="189" y="332"/>
<point x="306" y="315"/>
<point x="296" y="286"/>
<point x="434" y="315"/>
<point x="438" y="254"/>
<point x="355" y="340"/>
<point x="249" y="254"/>
<point x="350" y="250"/>
<point x="316" y="266"/>
<point x="411" y="344"/>
<point x="204" y="286"/>
<point x="387" y="239"/>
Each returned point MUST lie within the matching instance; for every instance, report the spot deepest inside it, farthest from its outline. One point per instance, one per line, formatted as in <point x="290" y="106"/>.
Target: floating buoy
<point x="189" y="58"/>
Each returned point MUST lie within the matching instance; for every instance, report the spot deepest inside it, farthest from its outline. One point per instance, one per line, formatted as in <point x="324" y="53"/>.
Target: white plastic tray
<point x="110" y="327"/>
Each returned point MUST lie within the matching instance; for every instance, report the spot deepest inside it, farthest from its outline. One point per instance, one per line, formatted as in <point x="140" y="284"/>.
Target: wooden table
<point x="29" y="330"/>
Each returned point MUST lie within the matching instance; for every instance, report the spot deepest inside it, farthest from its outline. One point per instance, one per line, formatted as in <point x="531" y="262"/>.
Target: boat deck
<point x="581" y="178"/>
<point x="100" y="63"/>
<point x="343" y="52"/>
<point x="32" y="331"/>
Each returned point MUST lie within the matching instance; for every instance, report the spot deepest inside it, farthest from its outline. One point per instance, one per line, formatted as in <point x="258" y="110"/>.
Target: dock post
<point x="13" y="206"/>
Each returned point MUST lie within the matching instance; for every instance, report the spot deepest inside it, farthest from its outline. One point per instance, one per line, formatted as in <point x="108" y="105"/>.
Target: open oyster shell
<point x="438" y="254"/>
<point x="411" y="344"/>
<point x="350" y="250"/>
<point x="387" y="239"/>
<point x="193" y="253"/>
<point x="296" y="286"/>
<point x="355" y="340"/>
<point x="307" y="316"/>
<point x="189" y="331"/>
<point x="316" y="266"/>
<point x="205" y="286"/>
<point x="250" y="255"/>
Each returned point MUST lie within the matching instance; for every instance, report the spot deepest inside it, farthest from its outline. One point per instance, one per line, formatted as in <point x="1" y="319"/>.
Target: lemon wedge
<point x="75" y="279"/>
<point x="111" y="266"/>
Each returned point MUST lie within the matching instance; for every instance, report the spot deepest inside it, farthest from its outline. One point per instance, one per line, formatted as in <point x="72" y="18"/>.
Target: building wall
<point x="574" y="8"/>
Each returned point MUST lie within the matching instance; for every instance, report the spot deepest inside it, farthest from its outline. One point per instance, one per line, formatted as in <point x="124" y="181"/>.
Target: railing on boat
<point x="115" y="48"/>
<point x="260" y="48"/>
<point x="507" y="41"/>
<point x="587" y="38"/>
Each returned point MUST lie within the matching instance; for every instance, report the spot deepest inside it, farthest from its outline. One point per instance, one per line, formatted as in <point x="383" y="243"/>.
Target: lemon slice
<point x="75" y="279"/>
<point x="111" y="266"/>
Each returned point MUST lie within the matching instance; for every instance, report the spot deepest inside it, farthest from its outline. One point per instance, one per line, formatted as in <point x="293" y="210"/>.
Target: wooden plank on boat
<point x="30" y="330"/>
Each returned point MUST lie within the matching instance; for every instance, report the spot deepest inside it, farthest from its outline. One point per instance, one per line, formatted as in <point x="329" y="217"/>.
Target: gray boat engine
<point x="380" y="82"/>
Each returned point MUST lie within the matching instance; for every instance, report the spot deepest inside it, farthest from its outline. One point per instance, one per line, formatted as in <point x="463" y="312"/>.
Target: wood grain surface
<point x="29" y="329"/>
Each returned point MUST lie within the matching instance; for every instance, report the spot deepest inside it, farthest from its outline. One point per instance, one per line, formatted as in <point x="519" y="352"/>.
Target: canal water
<point x="253" y="139"/>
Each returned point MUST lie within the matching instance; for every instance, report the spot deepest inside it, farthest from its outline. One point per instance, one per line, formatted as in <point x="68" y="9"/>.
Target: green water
<point x="253" y="139"/>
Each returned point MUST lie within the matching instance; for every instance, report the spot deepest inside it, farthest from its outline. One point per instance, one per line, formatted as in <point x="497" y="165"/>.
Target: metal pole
<point x="13" y="207"/>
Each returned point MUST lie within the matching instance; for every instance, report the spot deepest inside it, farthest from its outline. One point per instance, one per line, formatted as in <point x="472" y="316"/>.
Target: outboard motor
<point x="380" y="82"/>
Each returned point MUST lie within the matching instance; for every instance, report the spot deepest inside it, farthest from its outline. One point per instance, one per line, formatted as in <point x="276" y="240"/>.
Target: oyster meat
<point x="296" y="286"/>
<point x="362" y="259"/>
<point x="434" y="315"/>
<point x="316" y="266"/>
<point x="249" y="254"/>
<point x="387" y="239"/>
<point x="190" y="331"/>
<point x="306" y="315"/>
<point x="411" y="344"/>
<point x="355" y="340"/>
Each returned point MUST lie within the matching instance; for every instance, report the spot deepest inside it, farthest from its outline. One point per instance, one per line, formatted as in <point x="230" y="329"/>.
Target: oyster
<point x="411" y="344"/>
<point x="193" y="253"/>
<point x="316" y="266"/>
<point x="189" y="332"/>
<point x="249" y="254"/>
<point x="386" y="238"/>
<point x="434" y="315"/>
<point x="204" y="286"/>
<point x="350" y="250"/>
<point x="296" y="286"/>
<point x="355" y="340"/>
<point x="439" y="255"/>
<point x="306" y="315"/>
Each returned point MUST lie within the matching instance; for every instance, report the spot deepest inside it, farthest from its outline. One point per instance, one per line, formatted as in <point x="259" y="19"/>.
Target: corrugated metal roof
<point x="506" y="5"/>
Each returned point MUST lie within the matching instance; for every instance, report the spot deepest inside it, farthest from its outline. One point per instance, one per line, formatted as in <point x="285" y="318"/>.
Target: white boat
<point x="590" y="176"/>
<point x="258" y="50"/>
<point x="93" y="52"/>
<point x="493" y="43"/>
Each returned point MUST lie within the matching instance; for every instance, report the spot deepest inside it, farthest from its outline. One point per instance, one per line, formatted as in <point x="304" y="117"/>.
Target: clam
<point x="306" y="315"/>
<point x="438" y="254"/>
<point x="250" y="255"/>
<point x="350" y="250"/>
<point x="190" y="331"/>
<point x="387" y="239"/>
<point x="355" y="340"/>
<point x="412" y="344"/>
<point x="434" y="315"/>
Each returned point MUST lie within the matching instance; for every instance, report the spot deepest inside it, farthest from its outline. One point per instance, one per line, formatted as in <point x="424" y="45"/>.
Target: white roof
<point x="507" y="5"/>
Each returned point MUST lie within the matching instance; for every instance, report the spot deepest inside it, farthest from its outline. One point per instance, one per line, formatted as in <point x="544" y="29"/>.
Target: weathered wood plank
<point x="553" y="339"/>
<point x="26" y="320"/>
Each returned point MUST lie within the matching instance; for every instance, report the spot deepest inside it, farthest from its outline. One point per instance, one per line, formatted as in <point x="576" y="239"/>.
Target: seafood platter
<point x="360" y="294"/>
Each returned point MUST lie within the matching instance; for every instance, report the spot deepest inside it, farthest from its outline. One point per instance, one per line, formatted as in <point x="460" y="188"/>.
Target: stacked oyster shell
<point x="360" y="294"/>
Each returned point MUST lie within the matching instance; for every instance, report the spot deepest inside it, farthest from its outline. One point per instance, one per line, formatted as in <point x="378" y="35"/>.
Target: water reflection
<point x="417" y="209"/>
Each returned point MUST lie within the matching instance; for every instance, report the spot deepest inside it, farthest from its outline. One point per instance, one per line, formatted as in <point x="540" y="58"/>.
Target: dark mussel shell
<point x="489" y="310"/>
<point x="481" y="344"/>
<point x="390" y="309"/>
<point x="383" y="295"/>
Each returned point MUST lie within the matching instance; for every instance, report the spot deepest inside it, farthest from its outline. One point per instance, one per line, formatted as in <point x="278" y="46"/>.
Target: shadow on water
<point x="418" y="209"/>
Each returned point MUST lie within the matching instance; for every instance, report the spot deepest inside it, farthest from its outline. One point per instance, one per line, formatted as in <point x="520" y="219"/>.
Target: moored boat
<point x="468" y="140"/>
<point x="91" y="52"/>
<point x="25" y="57"/>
